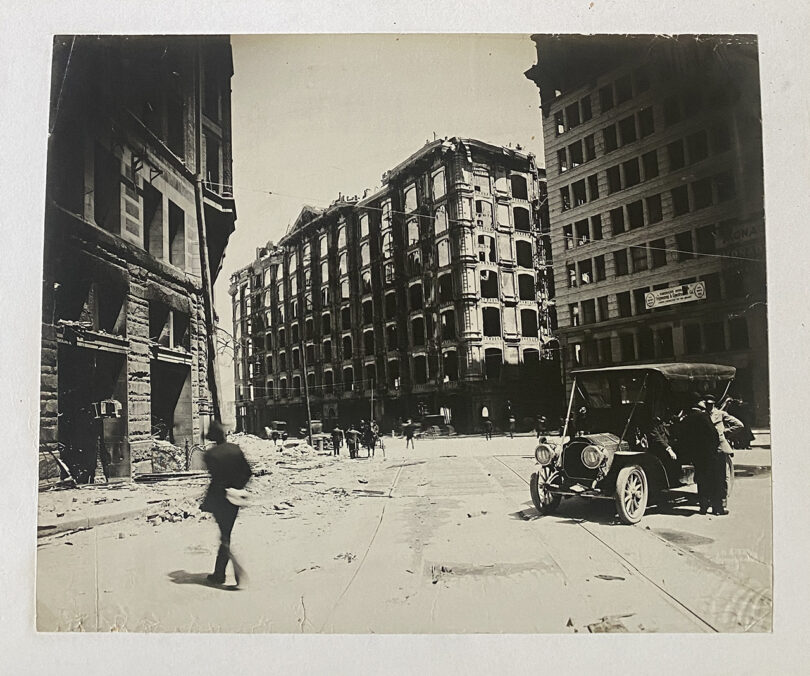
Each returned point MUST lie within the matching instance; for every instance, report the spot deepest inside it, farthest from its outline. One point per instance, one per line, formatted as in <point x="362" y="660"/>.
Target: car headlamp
<point x="592" y="456"/>
<point x="544" y="454"/>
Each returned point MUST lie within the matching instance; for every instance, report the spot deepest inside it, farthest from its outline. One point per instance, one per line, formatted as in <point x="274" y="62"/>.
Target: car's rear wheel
<point x="544" y="500"/>
<point x="632" y="493"/>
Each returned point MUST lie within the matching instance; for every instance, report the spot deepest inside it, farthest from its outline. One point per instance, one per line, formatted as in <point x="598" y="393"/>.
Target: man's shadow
<point x="184" y="577"/>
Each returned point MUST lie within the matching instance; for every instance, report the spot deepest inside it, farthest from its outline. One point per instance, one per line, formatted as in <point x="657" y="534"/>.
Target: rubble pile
<point x="166" y="457"/>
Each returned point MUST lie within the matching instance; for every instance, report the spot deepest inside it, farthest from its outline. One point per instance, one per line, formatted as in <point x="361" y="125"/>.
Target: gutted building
<point x="138" y="214"/>
<point x="654" y="167"/>
<point x="428" y="296"/>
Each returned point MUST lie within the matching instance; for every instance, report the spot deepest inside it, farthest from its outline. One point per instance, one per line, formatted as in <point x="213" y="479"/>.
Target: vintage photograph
<point x="405" y="334"/>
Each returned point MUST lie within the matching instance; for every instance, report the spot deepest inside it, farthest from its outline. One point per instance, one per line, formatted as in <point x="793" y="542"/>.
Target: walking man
<point x="723" y="422"/>
<point x="509" y="415"/>
<point x="409" y="434"/>
<point x="486" y="423"/>
<point x="228" y="469"/>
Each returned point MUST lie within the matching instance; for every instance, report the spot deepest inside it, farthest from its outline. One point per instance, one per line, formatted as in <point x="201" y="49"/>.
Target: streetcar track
<point x="629" y="564"/>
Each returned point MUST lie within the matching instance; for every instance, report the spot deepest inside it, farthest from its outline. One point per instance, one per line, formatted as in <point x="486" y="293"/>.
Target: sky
<point x="315" y="116"/>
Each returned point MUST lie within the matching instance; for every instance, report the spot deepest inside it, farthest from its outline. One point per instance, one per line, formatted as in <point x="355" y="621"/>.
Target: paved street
<point x="440" y="539"/>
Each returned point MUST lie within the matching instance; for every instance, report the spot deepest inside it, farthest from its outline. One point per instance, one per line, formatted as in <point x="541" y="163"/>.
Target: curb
<point x="85" y="522"/>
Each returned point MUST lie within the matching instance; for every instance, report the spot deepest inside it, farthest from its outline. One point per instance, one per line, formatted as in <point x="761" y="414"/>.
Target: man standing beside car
<point x="723" y="422"/>
<point x="697" y="437"/>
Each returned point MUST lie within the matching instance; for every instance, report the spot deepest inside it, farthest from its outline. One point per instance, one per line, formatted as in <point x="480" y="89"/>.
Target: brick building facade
<point x="654" y="163"/>
<point x="428" y="296"/>
<point x="138" y="215"/>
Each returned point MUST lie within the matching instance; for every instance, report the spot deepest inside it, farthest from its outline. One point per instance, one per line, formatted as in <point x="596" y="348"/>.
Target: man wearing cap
<point x="723" y="422"/>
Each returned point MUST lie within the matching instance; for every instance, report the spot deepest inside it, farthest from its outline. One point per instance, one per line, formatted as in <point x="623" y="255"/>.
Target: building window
<point x="348" y="379"/>
<point x="365" y="282"/>
<point x="627" y="347"/>
<point x="593" y="187"/>
<point x="568" y="236"/>
<point x="599" y="268"/>
<point x="646" y="343"/>
<point x="639" y="257"/>
<point x="617" y="221"/>
<point x="489" y="284"/>
<point x="590" y="148"/>
<point x="450" y="365"/>
<point x="410" y="198"/>
<point x="573" y="314"/>
<point x="345" y="318"/>
<point x="706" y="239"/>
<point x="712" y="283"/>
<point x="659" y="253"/>
<point x="327" y="351"/>
<point x="365" y="254"/>
<point x="683" y="244"/>
<point x="609" y="136"/>
<point x="341" y="238"/>
<point x="627" y="129"/>
<point x="559" y="122"/>
<point x="443" y="249"/>
<point x="440" y="223"/>
<point x="562" y="161"/>
<point x="415" y="263"/>
<point x="691" y="338"/>
<point x="523" y="254"/>
<point x="715" y="336"/>
<point x="438" y="184"/>
<point x="680" y="200"/>
<point x="620" y="262"/>
<point x="413" y="231"/>
<point x="585" y="106"/>
<point x="565" y="199"/>
<point x="589" y="311"/>
<point x="650" y="163"/>
<point x="572" y="115"/>
<point x="581" y="233"/>
<point x="521" y="215"/>
<point x="416" y="297"/>
<point x="448" y="320"/>
<point x="528" y="323"/>
<point x="368" y="342"/>
<point x="677" y="160"/>
<point x="575" y="153"/>
<point x="672" y="110"/>
<point x="177" y="235"/>
<point x="614" y="180"/>
<point x="606" y="98"/>
<point x="646" y="125"/>
<point x="702" y="193"/>
<point x="526" y="290"/>
<point x="655" y="212"/>
<point x="726" y="189"/>
<point x="623" y="304"/>
<point x="390" y="305"/>
<point x="520" y="190"/>
<point x="390" y="274"/>
<point x="585" y="271"/>
<point x="738" y="333"/>
<point x="445" y="288"/>
<point x="391" y="336"/>
<point x="580" y="197"/>
<point x="632" y="176"/>
<point x="420" y="371"/>
<point x="596" y="227"/>
<point x="418" y="331"/>
<point x="491" y="317"/>
<point x="635" y="215"/>
<point x="346" y="345"/>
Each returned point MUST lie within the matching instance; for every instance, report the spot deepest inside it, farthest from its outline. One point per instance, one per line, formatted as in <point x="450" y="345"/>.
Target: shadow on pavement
<point x="184" y="577"/>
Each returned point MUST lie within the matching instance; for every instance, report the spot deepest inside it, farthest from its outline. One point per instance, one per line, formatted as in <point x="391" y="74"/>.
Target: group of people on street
<point x="508" y="417"/>
<point x="702" y="433"/>
<point x="366" y="434"/>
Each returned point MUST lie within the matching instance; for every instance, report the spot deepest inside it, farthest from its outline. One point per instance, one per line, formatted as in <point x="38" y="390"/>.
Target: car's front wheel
<point x="544" y="500"/>
<point x="632" y="493"/>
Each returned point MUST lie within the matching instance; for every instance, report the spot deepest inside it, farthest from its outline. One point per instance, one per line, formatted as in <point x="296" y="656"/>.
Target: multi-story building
<point x="429" y="295"/>
<point x="654" y="164"/>
<point x="138" y="214"/>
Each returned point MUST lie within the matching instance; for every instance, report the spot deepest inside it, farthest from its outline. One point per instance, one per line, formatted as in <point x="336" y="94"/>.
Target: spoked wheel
<point x="632" y="493"/>
<point x="544" y="500"/>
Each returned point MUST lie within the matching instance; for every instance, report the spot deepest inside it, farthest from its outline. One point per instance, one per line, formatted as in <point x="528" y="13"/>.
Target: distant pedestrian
<point x="229" y="470"/>
<point x="540" y="426"/>
<point x="509" y="417"/>
<point x="337" y="440"/>
<point x="274" y="437"/>
<point x="486" y="423"/>
<point x="410" y="433"/>
<point x="352" y="441"/>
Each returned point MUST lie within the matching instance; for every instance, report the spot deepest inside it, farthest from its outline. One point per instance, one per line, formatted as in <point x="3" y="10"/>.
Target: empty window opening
<point x="580" y="196"/>
<point x="491" y="321"/>
<point x="420" y="370"/>
<point x="522" y="219"/>
<point x="445" y="288"/>
<point x="528" y="323"/>
<point x="345" y="318"/>
<point x="415" y="297"/>
<point x="418" y="331"/>
<point x="489" y="284"/>
<point x="627" y="129"/>
<point x="617" y="221"/>
<point x="520" y="189"/>
<point x="523" y="254"/>
<point x="646" y="125"/>
<point x="346" y="346"/>
<point x="177" y="235"/>
<point x="450" y="366"/>
<point x="610" y="138"/>
<point x="107" y="190"/>
<point x="152" y="220"/>
<point x="632" y="175"/>
<point x="526" y="290"/>
<point x="368" y="342"/>
<point x="492" y="363"/>
<point x="635" y="214"/>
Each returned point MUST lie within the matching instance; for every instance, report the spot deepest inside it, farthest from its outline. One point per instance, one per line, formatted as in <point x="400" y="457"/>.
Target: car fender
<point x="652" y="466"/>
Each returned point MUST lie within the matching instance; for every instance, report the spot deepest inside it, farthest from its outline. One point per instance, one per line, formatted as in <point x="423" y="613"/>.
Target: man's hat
<point x="710" y="397"/>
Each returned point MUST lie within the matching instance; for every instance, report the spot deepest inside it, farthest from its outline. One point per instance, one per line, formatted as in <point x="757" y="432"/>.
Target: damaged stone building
<point x="654" y="163"/>
<point x="139" y="211"/>
<point x="429" y="296"/>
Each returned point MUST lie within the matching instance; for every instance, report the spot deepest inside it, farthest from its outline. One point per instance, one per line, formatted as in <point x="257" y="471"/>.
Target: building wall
<point x="686" y="124"/>
<point x="124" y="293"/>
<point x="409" y="286"/>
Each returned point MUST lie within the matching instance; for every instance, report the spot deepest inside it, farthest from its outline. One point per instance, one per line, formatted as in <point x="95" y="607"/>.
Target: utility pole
<point x="306" y="392"/>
